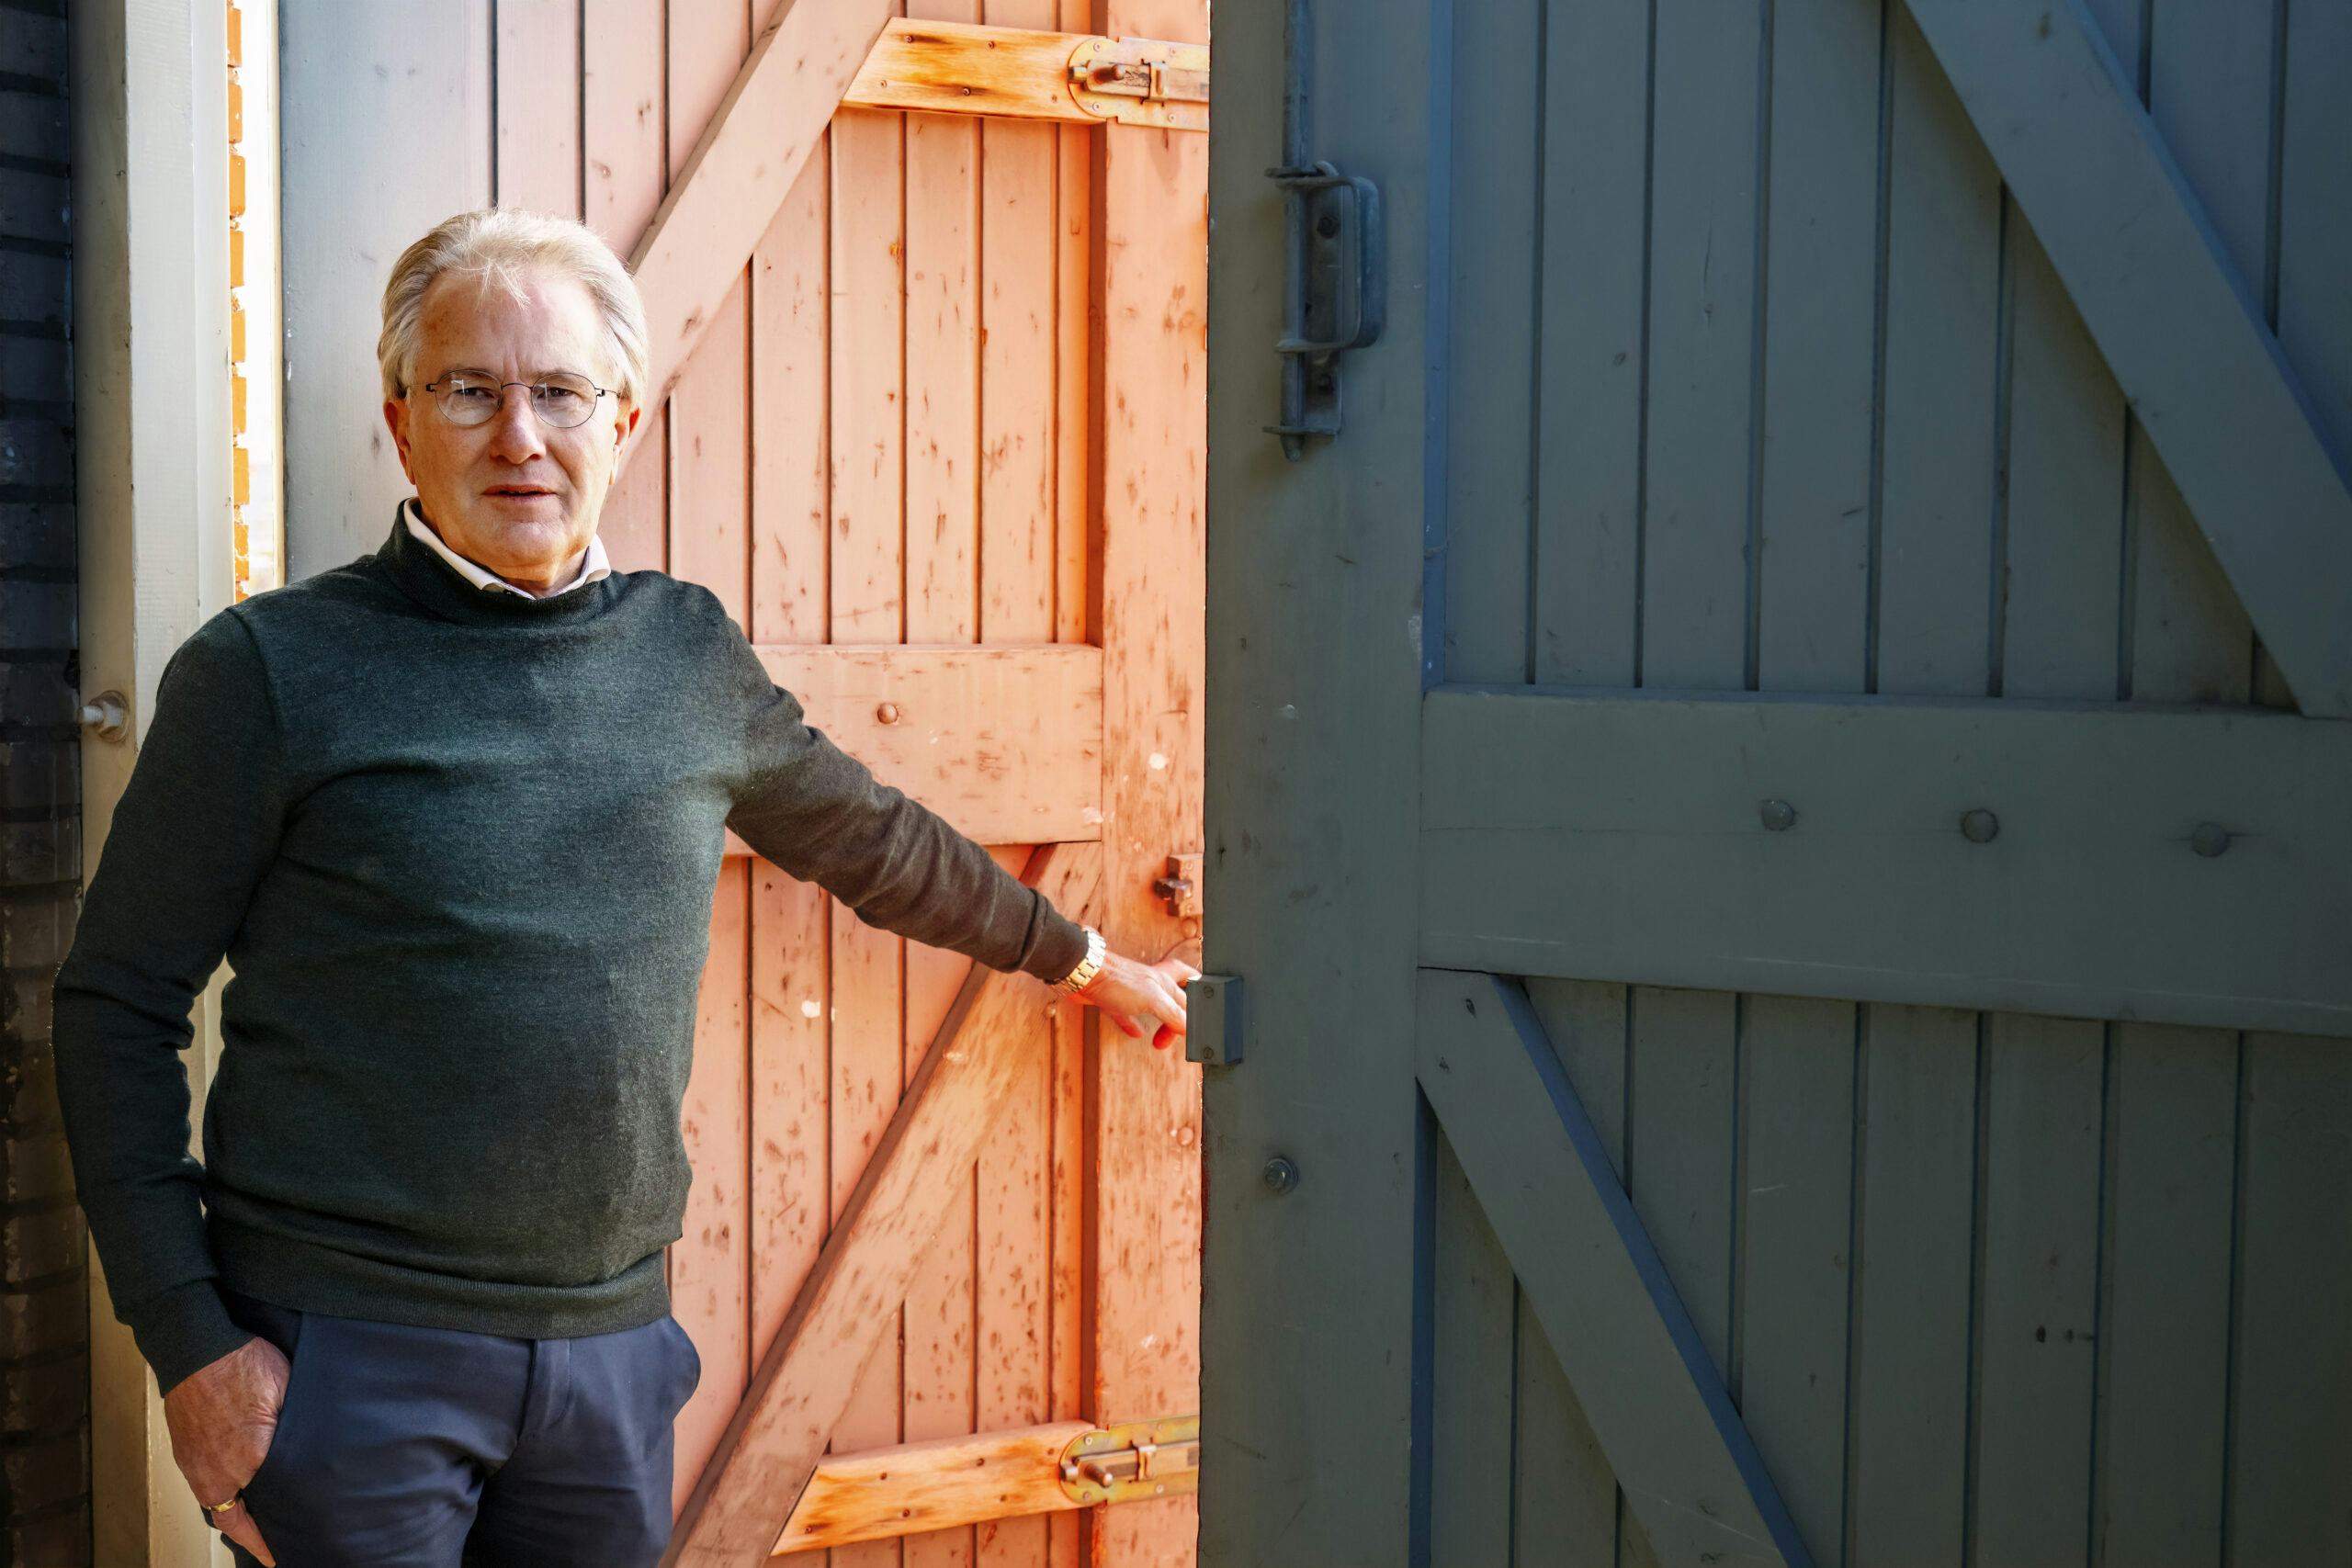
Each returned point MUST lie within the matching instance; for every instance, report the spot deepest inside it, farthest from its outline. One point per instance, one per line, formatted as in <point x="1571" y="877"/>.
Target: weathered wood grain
<point x="986" y="1477"/>
<point x="932" y="63"/>
<point x="538" y="69"/>
<point x="886" y="1221"/>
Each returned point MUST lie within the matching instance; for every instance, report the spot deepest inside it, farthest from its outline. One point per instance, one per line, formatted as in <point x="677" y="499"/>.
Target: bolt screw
<point x="1980" y="827"/>
<point x="888" y="713"/>
<point x="1281" y="1176"/>
<point x="1778" y="815"/>
<point x="2210" y="839"/>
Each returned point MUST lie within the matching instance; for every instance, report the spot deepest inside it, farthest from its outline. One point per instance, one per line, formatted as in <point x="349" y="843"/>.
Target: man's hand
<point x="222" y="1417"/>
<point x="1128" y="988"/>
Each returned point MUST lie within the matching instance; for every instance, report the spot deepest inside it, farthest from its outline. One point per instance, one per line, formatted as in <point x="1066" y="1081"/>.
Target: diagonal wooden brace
<point x="771" y="1448"/>
<point x="749" y="154"/>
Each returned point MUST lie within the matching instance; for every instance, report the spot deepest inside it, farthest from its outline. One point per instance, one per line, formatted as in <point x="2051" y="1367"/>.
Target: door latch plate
<point x="1133" y="1461"/>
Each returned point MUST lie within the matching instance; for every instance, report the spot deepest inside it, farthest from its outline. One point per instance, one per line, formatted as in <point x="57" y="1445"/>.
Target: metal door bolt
<point x="1281" y="1176"/>
<point x="1980" y="827"/>
<point x="1778" y="815"/>
<point x="2210" y="839"/>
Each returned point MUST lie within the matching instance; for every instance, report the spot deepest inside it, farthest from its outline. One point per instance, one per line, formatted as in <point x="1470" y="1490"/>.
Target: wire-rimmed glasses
<point x="561" y="400"/>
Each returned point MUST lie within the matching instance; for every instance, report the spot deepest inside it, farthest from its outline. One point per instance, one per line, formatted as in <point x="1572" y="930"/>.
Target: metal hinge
<point x="1139" y="80"/>
<point x="1134" y="1460"/>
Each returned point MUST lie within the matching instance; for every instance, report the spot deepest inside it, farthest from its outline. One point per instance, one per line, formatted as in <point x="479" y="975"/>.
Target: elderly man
<point x="453" y="814"/>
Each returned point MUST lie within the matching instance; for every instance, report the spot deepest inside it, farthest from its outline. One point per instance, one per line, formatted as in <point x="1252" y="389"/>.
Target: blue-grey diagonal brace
<point x="1685" y="1461"/>
<point x="2179" y="325"/>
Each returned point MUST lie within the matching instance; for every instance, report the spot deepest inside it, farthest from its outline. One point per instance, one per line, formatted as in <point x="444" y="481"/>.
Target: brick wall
<point x="44" y="1364"/>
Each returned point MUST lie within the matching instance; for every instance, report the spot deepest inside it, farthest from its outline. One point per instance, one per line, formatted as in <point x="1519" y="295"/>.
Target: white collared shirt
<point x="592" y="566"/>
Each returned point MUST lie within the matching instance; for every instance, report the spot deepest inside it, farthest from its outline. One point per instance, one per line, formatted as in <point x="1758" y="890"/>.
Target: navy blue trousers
<point x="428" y="1447"/>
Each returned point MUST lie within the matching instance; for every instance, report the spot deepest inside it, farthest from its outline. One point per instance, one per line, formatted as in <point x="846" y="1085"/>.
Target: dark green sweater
<point x="458" y="849"/>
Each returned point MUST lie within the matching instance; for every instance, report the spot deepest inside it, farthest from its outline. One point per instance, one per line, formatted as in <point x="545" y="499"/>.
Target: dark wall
<point x="44" y="1338"/>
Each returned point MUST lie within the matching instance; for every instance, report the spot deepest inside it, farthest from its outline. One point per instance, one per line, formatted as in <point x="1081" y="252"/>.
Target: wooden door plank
<point x="1600" y="1287"/>
<point x="622" y="120"/>
<point x="710" y="1263"/>
<point x="868" y="284"/>
<point x="1703" y="304"/>
<point x="748" y="157"/>
<point x="987" y="1477"/>
<point x="2179" y="325"/>
<point x="1472" y="1362"/>
<point x="2164" y="1329"/>
<point x="802" y="1386"/>
<point x="1018" y="366"/>
<point x="791" y="1193"/>
<point x="1795" y="1203"/>
<point x="1814" y="409"/>
<point x="938" y="1363"/>
<point x="1588" y="394"/>
<point x="791" y="364"/>
<point x="1943" y="280"/>
<point x="709" y="399"/>
<point x="708" y="430"/>
<point x="1147" y="1175"/>
<point x="1490" y="458"/>
<point x="867" y="603"/>
<point x="1913" y="1261"/>
<point x="2037" y="1316"/>
<point x="1014" y="1372"/>
<point x="539" y="71"/>
<point x="1078" y="541"/>
<point x="2289" y="1472"/>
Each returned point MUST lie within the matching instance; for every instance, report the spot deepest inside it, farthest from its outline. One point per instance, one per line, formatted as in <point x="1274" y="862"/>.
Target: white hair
<point x="498" y="244"/>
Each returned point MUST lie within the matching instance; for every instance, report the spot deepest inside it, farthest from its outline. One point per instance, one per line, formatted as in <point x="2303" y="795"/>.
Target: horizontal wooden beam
<point x="959" y="68"/>
<point x="739" y="173"/>
<point x="1685" y="1462"/>
<point x="1619" y="837"/>
<point x="739" y="1507"/>
<point x="2180" y="328"/>
<point x="1005" y="741"/>
<point x="913" y="1487"/>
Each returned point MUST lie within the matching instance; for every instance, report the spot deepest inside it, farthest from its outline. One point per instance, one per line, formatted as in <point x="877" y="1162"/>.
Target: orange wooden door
<point x="907" y="427"/>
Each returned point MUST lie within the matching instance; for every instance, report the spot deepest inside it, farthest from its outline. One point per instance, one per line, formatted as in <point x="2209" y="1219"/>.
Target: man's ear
<point x="396" y="420"/>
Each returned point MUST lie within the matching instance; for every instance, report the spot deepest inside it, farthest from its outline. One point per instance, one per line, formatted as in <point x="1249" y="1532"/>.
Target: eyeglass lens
<point x="560" y="400"/>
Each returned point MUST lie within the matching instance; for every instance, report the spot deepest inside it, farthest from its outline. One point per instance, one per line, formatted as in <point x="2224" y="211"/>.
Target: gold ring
<point x="222" y="1508"/>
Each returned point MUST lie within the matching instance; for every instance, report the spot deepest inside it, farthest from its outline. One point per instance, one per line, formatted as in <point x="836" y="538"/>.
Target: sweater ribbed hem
<point x="316" y="1278"/>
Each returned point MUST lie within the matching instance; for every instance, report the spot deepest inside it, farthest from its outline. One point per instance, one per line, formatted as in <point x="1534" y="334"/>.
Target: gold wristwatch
<point x="1088" y="967"/>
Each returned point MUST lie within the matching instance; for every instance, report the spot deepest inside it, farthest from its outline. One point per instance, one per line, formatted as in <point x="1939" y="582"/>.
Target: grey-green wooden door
<point x="1782" y="795"/>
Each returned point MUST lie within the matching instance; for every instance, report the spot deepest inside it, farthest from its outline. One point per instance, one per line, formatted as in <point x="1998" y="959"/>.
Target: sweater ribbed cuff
<point x="183" y="1330"/>
<point x="1061" y="942"/>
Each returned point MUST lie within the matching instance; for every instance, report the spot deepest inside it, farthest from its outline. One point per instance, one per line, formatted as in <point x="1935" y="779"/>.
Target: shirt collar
<point x="593" y="565"/>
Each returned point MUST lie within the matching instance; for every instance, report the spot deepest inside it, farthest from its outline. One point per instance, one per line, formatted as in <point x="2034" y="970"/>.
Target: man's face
<point x="513" y="494"/>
